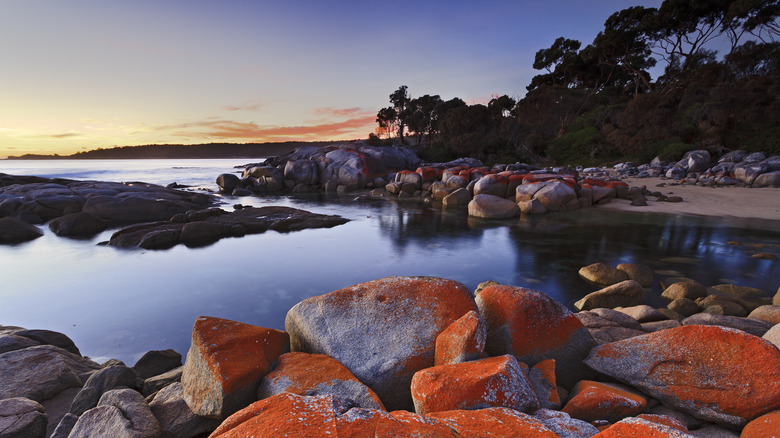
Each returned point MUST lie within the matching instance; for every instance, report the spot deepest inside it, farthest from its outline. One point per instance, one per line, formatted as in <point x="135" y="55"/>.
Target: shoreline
<point x="719" y="201"/>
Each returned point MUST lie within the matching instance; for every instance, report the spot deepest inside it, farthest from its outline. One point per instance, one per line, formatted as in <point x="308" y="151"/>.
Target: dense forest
<point x="719" y="90"/>
<point x="180" y="151"/>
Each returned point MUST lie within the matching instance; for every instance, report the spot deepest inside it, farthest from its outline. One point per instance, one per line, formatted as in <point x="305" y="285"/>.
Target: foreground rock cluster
<point x="148" y="216"/>
<point x="410" y="356"/>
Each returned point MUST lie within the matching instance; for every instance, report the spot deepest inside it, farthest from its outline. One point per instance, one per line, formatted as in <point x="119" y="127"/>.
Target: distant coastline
<point x="181" y="151"/>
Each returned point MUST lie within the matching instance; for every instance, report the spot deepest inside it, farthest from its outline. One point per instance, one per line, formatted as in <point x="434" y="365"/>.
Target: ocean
<point x="119" y="303"/>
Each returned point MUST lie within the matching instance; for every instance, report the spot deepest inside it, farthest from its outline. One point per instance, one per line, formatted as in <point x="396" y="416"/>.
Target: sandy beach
<point x="737" y="202"/>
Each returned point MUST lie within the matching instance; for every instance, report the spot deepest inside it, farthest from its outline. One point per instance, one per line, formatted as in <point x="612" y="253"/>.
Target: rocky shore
<point x="423" y="356"/>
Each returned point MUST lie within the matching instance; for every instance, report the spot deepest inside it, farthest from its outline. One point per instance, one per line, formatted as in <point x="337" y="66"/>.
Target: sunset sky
<point x="82" y="74"/>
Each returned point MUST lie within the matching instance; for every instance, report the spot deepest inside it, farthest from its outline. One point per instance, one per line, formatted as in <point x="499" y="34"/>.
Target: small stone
<point x="684" y="289"/>
<point x="602" y="275"/>
<point x="643" y="313"/>
<point x="684" y="306"/>
<point x="642" y="274"/>
<point x="625" y="293"/>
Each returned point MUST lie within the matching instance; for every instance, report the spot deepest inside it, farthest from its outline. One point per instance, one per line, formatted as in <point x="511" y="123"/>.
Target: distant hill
<point x="164" y="151"/>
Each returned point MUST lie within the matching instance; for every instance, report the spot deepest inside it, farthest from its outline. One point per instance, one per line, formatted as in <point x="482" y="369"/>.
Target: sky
<point x="82" y="74"/>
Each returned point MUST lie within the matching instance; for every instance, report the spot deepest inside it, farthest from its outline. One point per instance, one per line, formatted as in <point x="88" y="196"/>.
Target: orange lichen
<point x="591" y="401"/>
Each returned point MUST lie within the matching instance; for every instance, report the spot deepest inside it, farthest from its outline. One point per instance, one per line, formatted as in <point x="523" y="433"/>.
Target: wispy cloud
<point x="343" y="112"/>
<point x="249" y="105"/>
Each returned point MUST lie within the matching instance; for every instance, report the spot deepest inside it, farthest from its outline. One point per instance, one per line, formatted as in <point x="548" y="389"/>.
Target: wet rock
<point x="512" y="316"/>
<point x="316" y="374"/>
<point x="22" y="418"/>
<point x="383" y="331"/>
<point x="625" y="293"/>
<point x="175" y="417"/>
<point x="591" y="401"/>
<point x="699" y="370"/>
<point x="491" y="382"/>
<point x="601" y="274"/>
<point x="118" y="376"/>
<point x="721" y="305"/>
<point x="225" y="363"/>
<point x="460" y="197"/>
<point x="41" y="372"/>
<point x="15" y="231"/>
<point x="755" y="327"/>
<point x="228" y="182"/>
<point x="495" y="422"/>
<point x="642" y="274"/>
<point x="77" y="225"/>
<point x="156" y="362"/>
<point x="492" y="207"/>
<point x="135" y="209"/>
<point x="462" y="341"/>
<point x="684" y="289"/>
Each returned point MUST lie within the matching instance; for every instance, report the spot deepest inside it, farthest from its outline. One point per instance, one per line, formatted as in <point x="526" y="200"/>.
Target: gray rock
<point x="733" y="157"/>
<point x="676" y="172"/>
<point x="491" y="185"/>
<point x="22" y="418"/>
<point x="626" y="293"/>
<point x="695" y="161"/>
<point x="175" y="417"/>
<point x="492" y="207"/>
<point x="104" y="380"/>
<point x="103" y="421"/>
<point x="134" y="408"/>
<point x="755" y="157"/>
<point x="753" y="326"/>
<point x="643" y="313"/>
<point x="157" y="362"/>
<point x="135" y="209"/>
<point x="41" y="372"/>
<point x="555" y="195"/>
<point x="564" y="425"/>
<point x="12" y="342"/>
<point x="65" y="426"/>
<point x="713" y="431"/>
<point x="460" y="197"/>
<point x="15" y="231"/>
<point x="383" y="331"/>
<point x="768" y="179"/>
<point x="50" y="338"/>
<point x="241" y="191"/>
<point x="77" y="225"/>
<point x="655" y="326"/>
<point x="158" y="382"/>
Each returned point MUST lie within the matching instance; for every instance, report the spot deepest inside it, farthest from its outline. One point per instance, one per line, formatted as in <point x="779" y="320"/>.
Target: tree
<point x="400" y="100"/>
<point x="561" y="62"/>
<point x="387" y="119"/>
<point x="423" y="117"/>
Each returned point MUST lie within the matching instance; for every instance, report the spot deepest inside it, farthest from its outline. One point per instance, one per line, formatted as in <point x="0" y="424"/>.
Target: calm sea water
<point x="122" y="303"/>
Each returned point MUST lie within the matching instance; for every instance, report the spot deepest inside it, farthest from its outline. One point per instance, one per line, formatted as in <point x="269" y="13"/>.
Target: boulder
<point x="543" y="381"/>
<point x="134" y="408"/>
<point x="175" y="417"/>
<point x="591" y="401"/>
<point x="534" y="206"/>
<point x="513" y="316"/>
<point x="49" y="337"/>
<point x="767" y="179"/>
<point x="15" y="231"/>
<point x="495" y="185"/>
<point x="227" y="182"/>
<point x="383" y="331"/>
<point x="10" y="342"/>
<point x="700" y="370"/>
<point x="642" y="274"/>
<point x="767" y="425"/>
<point x="458" y="198"/>
<point x="77" y="225"/>
<point x="748" y="297"/>
<point x="118" y="376"/>
<point x="462" y="341"/>
<point x="555" y="195"/>
<point x="770" y="313"/>
<point x="527" y="192"/>
<point x="492" y="207"/>
<point x="302" y="172"/>
<point x="409" y="177"/>
<point x="156" y="362"/>
<point x="625" y="293"/>
<point x="721" y="305"/>
<point x="225" y="363"/>
<point x="135" y="209"/>
<point x="22" y="418"/>
<point x="316" y="374"/>
<point x="41" y="372"/>
<point x="755" y="327"/>
<point x="601" y="274"/>
<point x="493" y="422"/>
<point x="637" y="427"/>
<point x="643" y="313"/>
<point x="696" y="161"/>
<point x="491" y="382"/>
<point x="65" y="426"/>
<point x="160" y="381"/>
<point x="684" y="306"/>
<point x="773" y="335"/>
<point x="564" y="425"/>
<point x="684" y="289"/>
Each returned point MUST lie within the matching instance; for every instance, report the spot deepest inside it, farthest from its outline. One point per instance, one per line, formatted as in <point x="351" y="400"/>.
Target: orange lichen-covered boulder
<point x="591" y="401"/>
<point x="491" y="382"/>
<point x="636" y="427"/>
<point x="542" y="378"/>
<point x="429" y="174"/>
<point x="495" y="185"/>
<point x="532" y="326"/>
<point x="494" y="422"/>
<point x="718" y="374"/>
<point x="383" y="331"/>
<point x="225" y="363"/>
<point x="316" y="374"/>
<point x="299" y="416"/>
<point x="765" y="426"/>
<point x="666" y="420"/>
<point x="462" y="341"/>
